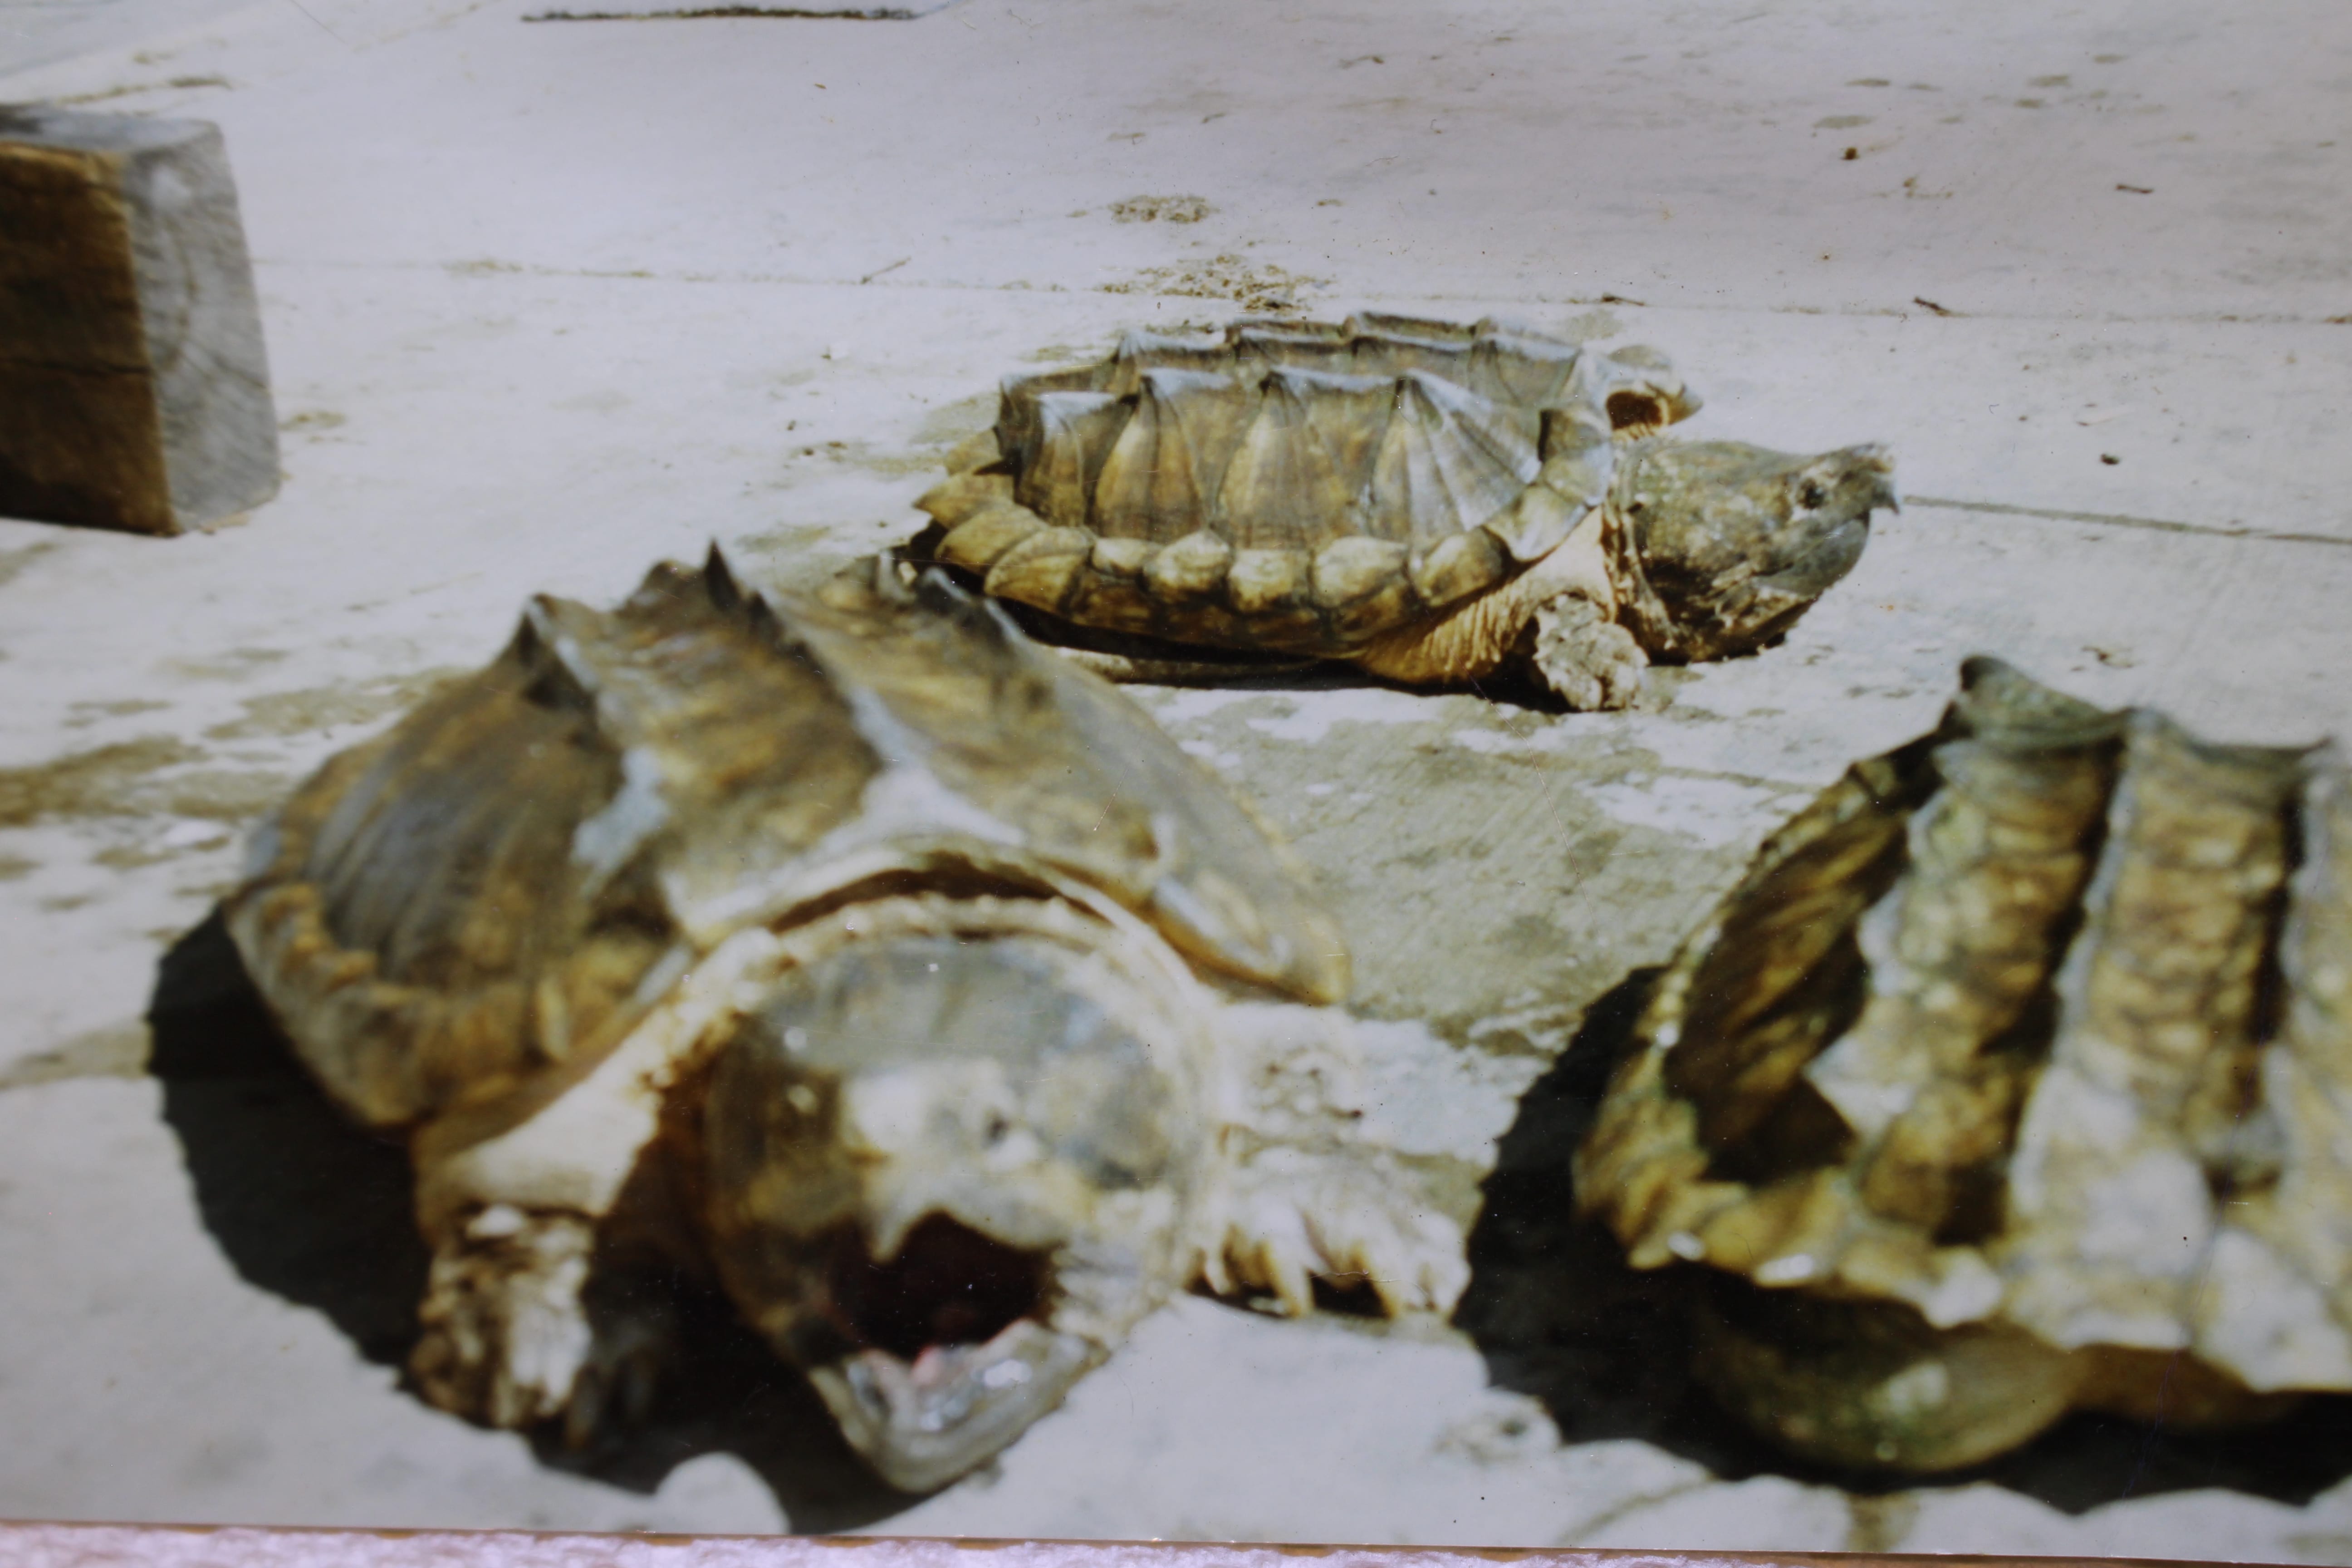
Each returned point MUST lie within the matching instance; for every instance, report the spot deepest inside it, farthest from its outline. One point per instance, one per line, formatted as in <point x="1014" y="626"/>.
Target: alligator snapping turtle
<point x="2016" y="1076"/>
<point x="1430" y="502"/>
<point x="853" y="951"/>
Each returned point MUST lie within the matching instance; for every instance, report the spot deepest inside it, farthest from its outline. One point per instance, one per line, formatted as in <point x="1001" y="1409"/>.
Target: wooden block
<point x="133" y="390"/>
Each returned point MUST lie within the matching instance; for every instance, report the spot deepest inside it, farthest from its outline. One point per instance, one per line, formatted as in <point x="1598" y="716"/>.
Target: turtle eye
<point x="1810" y="495"/>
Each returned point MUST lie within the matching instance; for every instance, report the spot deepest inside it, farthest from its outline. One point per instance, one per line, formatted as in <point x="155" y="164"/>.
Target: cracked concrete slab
<point x="547" y="303"/>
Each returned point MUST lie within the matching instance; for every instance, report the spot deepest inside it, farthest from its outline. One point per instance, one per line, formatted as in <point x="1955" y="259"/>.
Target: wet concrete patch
<point x="134" y="778"/>
<point x="84" y="714"/>
<point x="233" y="664"/>
<point x="105" y="781"/>
<point x="14" y="561"/>
<point x="890" y="461"/>
<point x="120" y="1052"/>
<point x="317" y="707"/>
<point x="949" y="422"/>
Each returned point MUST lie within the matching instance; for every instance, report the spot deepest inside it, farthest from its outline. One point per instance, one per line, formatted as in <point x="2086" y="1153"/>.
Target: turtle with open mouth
<point x="849" y="952"/>
<point x="1432" y="502"/>
<point x="2014" y="1078"/>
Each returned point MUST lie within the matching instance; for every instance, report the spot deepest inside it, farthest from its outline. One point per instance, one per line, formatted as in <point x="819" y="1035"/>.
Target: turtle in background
<point x="1431" y="502"/>
<point x="851" y="953"/>
<point x="2015" y="1077"/>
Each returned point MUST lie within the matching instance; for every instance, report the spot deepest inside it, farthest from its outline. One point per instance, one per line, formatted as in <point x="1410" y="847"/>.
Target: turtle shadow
<point x="1558" y="1314"/>
<point x="313" y="1209"/>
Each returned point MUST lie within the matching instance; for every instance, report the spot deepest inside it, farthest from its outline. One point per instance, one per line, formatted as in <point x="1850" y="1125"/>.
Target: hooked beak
<point x="921" y="1423"/>
<point x="1877" y="457"/>
<point x="935" y="1354"/>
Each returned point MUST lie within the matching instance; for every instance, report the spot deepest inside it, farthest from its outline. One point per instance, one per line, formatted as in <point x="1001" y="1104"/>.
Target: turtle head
<point x="945" y="1176"/>
<point x="1725" y="546"/>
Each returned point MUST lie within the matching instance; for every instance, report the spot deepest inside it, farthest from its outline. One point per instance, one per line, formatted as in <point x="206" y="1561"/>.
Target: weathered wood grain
<point x="134" y="392"/>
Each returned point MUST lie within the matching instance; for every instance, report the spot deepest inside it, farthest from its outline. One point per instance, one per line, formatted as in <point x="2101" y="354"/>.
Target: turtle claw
<point x="1591" y="661"/>
<point x="632" y="1343"/>
<point x="1347" y="1218"/>
<point x="505" y="1335"/>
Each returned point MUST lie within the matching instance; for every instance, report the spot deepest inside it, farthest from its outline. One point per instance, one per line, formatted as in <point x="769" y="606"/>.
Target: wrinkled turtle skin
<point x="1431" y="502"/>
<point x="853" y="953"/>
<point x="2015" y="1077"/>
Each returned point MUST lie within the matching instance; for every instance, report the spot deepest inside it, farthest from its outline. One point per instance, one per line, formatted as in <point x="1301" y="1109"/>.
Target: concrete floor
<point x="547" y="301"/>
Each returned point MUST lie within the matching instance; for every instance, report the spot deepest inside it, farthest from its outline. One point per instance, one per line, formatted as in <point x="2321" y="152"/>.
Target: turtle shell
<point x="1293" y="486"/>
<point x="504" y="882"/>
<point x="2039" y="1030"/>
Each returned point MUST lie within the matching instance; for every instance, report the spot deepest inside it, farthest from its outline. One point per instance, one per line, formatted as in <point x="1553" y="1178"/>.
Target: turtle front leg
<point x="1302" y="1192"/>
<point x="1583" y="655"/>
<point x="520" y="1324"/>
<point x="515" y="1332"/>
<point x="506" y="1333"/>
<point x="1349" y="1216"/>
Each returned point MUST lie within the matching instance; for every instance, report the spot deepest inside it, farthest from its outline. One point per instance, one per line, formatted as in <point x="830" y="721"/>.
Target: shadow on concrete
<point x="1557" y="1315"/>
<point x="305" y="1205"/>
<point x="309" y="1208"/>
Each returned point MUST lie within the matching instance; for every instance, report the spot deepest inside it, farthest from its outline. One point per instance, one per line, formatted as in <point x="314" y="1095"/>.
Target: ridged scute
<point x="1293" y="438"/>
<point x="1293" y="459"/>
<point x="499" y="886"/>
<point x="1522" y="370"/>
<point x="474" y="898"/>
<point x="2040" y="1025"/>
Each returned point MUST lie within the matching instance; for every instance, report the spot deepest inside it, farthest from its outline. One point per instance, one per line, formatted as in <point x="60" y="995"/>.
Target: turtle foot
<point x="1590" y="660"/>
<point x="1355" y="1222"/>
<point x="506" y="1335"/>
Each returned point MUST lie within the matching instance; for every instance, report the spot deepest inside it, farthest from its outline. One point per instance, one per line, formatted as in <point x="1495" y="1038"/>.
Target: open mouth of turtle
<point x="946" y="1286"/>
<point x="950" y="1351"/>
